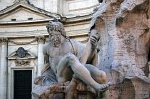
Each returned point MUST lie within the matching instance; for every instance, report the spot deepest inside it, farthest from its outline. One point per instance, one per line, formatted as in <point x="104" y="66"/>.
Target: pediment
<point x="25" y="12"/>
<point x="21" y="54"/>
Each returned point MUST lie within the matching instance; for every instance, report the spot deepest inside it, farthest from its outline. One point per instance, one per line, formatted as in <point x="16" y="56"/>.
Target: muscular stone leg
<point x="98" y="75"/>
<point x="64" y="72"/>
<point x="83" y="73"/>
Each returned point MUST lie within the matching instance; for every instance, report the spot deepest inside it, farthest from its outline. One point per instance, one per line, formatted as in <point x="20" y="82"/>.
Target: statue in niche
<point x="69" y="61"/>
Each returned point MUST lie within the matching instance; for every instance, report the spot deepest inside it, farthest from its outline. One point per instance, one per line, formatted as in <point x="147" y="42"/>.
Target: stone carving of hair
<point x="56" y="25"/>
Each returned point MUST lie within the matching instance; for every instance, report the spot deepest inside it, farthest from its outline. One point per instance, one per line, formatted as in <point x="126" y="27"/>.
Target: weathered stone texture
<point x="124" y="46"/>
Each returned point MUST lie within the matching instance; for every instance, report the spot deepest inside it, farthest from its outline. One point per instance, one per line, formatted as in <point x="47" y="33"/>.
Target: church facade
<point x="23" y="34"/>
<point x="124" y="45"/>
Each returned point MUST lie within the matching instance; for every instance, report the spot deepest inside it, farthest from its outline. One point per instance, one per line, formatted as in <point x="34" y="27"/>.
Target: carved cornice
<point x="76" y="19"/>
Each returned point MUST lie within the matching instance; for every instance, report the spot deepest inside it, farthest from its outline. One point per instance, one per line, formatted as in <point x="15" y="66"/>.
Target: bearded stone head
<point x="56" y="32"/>
<point x="55" y="26"/>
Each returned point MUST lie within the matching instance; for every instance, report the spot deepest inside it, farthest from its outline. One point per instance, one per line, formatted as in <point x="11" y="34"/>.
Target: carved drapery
<point x="40" y="39"/>
<point x="23" y="43"/>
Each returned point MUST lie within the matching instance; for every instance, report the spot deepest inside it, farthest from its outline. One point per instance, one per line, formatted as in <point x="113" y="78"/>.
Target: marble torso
<point x="56" y="53"/>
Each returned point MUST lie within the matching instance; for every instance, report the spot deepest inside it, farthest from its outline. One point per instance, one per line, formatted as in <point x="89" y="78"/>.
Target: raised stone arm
<point x="90" y="49"/>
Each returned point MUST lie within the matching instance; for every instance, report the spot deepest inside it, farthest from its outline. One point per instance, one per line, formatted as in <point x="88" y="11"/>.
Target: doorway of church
<point x="22" y="84"/>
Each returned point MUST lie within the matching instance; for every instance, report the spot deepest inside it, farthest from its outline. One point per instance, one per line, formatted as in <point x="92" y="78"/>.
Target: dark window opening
<point x="30" y="18"/>
<point x="13" y="19"/>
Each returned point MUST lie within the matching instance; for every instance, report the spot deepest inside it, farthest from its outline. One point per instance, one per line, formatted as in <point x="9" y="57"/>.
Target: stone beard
<point x="55" y="40"/>
<point x="56" y="33"/>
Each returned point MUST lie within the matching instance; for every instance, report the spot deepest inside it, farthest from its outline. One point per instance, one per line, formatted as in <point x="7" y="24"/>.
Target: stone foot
<point x="103" y="87"/>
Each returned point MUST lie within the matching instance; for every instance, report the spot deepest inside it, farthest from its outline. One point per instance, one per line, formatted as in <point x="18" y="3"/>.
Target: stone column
<point x="3" y="69"/>
<point x="40" y="55"/>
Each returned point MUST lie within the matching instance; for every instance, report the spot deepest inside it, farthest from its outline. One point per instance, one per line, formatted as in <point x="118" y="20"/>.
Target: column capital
<point x="4" y="40"/>
<point x="40" y="39"/>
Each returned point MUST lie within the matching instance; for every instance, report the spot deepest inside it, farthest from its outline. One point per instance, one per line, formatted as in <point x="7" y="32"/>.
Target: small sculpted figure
<point x="67" y="58"/>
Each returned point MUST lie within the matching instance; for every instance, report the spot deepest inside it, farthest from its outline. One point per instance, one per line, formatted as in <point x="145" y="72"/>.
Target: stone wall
<point x="124" y="46"/>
